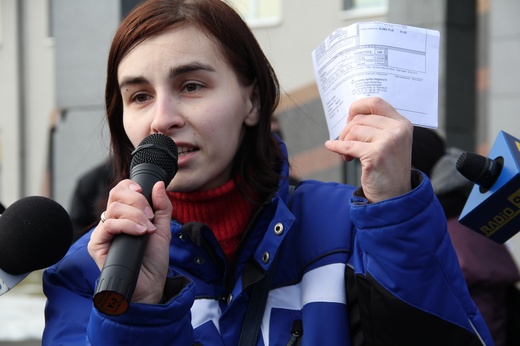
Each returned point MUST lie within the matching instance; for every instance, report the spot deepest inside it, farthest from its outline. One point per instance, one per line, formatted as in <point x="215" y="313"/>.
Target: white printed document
<point x="398" y="63"/>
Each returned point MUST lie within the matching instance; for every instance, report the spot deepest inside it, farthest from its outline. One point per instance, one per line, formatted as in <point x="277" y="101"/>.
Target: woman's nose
<point x="167" y="115"/>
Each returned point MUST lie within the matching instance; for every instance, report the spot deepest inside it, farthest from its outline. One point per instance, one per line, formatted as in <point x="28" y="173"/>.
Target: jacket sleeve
<point x="69" y="298"/>
<point x="71" y="319"/>
<point x="144" y="324"/>
<point x="410" y="288"/>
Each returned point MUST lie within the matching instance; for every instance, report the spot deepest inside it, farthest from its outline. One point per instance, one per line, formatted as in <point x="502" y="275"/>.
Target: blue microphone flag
<point x="494" y="212"/>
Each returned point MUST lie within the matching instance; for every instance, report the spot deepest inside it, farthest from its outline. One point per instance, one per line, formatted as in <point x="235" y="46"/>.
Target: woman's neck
<point x="224" y="210"/>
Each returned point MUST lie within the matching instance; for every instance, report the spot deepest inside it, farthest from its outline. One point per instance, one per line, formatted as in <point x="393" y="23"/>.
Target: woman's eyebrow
<point x="194" y="66"/>
<point x="132" y="80"/>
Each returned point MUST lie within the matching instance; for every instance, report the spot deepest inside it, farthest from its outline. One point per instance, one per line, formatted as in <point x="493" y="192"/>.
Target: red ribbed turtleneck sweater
<point x="213" y="208"/>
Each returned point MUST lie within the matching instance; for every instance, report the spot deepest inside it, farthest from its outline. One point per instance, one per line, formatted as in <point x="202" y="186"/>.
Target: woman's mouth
<point x="183" y="151"/>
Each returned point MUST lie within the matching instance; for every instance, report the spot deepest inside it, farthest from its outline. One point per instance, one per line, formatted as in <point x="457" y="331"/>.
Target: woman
<point x="344" y="266"/>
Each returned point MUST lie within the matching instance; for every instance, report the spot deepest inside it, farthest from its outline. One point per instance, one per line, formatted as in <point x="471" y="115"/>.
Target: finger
<point x="127" y="202"/>
<point x="366" y="127"/>
<point x="117" y="210"/>
<point x="102" y="236"/>
<point x="351" y="149"/>
<point x="364" y="130"/>
<point x="128" y="192"/>
<point x="372" y="105"/>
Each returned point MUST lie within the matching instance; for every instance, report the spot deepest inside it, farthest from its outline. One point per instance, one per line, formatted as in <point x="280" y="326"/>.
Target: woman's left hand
<point x="381" y="139"/>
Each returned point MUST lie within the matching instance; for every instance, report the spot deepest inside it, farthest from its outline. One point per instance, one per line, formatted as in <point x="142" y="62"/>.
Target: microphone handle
<point x="119" y="275"/>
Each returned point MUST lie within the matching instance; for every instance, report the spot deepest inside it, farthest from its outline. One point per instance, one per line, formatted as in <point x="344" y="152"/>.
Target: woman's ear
<point x="253" y="115"/>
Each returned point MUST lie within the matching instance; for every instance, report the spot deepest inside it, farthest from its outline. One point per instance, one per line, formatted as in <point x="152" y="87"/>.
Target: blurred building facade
<point x="52" y="74"/>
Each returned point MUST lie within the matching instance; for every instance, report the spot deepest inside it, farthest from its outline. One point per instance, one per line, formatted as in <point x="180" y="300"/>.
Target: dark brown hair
<point x="258" y="159"/>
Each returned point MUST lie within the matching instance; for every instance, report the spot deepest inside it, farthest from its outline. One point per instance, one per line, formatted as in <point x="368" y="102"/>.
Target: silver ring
<point x="102" y="217"/>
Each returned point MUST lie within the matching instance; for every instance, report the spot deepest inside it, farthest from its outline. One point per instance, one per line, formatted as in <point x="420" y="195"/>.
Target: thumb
<point x="162" y="204"/>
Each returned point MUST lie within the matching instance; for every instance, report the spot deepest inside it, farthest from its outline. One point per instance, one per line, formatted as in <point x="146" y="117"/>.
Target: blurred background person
<point x="489" y="269"/>
<point x="90" y="192"/>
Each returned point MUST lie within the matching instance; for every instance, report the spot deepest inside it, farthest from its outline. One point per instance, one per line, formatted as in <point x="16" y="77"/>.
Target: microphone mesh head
<point x="471" y="165"/>
<point x="479" y="169"/>
<point x="160" y="150"/>
<point x="35" y="232"/>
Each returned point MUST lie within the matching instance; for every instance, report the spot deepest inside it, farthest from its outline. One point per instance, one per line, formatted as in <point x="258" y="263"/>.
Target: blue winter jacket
<point x="346" y="272"/>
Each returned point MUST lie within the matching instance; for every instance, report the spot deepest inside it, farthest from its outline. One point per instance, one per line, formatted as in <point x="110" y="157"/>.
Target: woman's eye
<point x="191" y="87"/>
<point x="139" y="98"/>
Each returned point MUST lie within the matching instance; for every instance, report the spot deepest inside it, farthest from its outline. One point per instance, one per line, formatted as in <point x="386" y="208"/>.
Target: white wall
<point x="305" y="24"/>
<point x="39" y="93"/>
<point x="10" y="108"/>
<point x="504" y="55"/>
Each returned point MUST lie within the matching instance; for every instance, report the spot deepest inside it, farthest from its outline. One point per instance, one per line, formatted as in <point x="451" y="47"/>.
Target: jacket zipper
<point x="296" y="333"/>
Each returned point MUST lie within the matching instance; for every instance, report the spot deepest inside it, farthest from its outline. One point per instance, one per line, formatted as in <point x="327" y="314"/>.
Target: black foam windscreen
<point x="35" y="232"/>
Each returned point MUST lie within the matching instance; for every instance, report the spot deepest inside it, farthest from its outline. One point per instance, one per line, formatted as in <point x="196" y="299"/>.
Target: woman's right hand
<point x="128" y="212"/>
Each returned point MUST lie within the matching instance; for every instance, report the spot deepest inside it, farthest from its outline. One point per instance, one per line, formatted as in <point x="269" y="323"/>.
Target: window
<point x="363" y="8"/>
<point x="259" y="12"/>
<point x="127" y="6"/>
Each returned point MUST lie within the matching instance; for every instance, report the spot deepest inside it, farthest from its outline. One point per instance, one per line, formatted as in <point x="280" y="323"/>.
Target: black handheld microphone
<point x="35" y="232"/>
<point x="155" y="159"/>
<point x="493" y="205"/>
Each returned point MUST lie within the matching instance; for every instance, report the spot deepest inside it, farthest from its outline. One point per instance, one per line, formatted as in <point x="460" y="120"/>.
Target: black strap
<point x="255" y="309"/>
<point x="257" y="301"/>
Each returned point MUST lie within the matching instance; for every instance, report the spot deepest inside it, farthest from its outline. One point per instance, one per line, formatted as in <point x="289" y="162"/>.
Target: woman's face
<point x="178" y="84"/>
